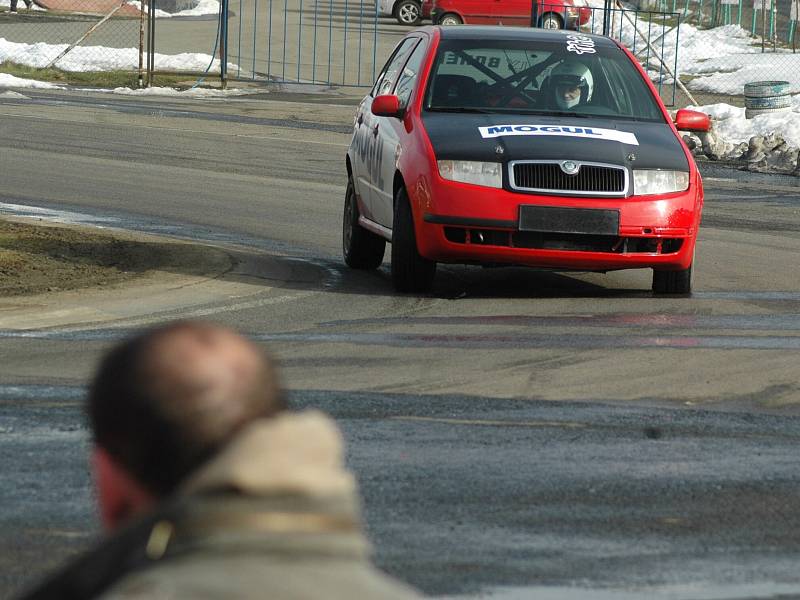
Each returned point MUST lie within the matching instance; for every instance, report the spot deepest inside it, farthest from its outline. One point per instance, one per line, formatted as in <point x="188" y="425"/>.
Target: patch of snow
<point x="191" y="93"/>
<point x="101" y="58"/>
<point x="730" y="122"/>
<point x="16" y="95"/>
<point x="7" y="80"/>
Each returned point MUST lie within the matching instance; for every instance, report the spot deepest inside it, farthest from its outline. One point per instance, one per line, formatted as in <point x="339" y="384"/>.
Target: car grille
<point x="592" y="179"/>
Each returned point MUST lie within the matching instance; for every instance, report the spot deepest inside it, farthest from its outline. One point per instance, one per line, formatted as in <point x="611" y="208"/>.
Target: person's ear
<point x="119" y="495"/>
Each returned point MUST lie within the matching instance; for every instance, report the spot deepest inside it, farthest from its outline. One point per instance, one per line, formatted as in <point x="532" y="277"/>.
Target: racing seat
<point x="453" y="91"/>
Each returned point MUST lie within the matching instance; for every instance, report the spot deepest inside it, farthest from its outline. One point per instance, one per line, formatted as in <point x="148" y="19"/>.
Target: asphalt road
<point x="512" y="429"/>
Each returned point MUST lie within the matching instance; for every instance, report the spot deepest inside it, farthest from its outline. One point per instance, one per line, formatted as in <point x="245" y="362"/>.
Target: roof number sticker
<point x="614" y="135"/>
<point x="580" y="44"/>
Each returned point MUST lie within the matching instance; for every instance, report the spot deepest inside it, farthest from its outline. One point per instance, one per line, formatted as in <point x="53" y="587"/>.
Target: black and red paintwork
<point x="399" y="162"/>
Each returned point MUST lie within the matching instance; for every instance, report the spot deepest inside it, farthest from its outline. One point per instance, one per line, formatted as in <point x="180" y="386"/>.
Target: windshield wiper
<point x="561" y="113"/>
<point x="460" y="109"/>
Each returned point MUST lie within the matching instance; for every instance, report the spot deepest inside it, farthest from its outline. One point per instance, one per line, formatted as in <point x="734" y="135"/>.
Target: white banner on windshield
<point x="595" y="133"/>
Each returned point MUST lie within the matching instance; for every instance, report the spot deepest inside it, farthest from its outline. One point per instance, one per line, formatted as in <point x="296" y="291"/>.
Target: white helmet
<point x="571" y="75"/>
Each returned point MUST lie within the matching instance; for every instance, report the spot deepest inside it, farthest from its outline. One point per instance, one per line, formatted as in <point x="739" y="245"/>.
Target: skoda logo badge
<point x="570" y="167"/>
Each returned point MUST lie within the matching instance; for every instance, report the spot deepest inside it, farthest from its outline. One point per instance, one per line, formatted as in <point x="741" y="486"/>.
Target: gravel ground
<point x="38" y="258"/>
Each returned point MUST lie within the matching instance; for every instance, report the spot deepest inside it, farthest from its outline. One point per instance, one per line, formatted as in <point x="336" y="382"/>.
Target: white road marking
<point x="196" y="314"/>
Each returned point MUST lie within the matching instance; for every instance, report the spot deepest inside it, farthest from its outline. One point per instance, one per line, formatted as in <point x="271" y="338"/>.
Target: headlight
<point x="487" y="174"/>
<point x="653" y="181"/>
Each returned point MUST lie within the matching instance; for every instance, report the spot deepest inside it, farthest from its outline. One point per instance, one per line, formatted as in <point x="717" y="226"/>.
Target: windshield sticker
<point x="623" y="137"/>
<point x="580" y="44"/>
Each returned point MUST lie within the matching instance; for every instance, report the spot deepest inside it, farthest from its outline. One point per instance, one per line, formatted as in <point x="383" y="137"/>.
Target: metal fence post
<point x="141" y="45"/>
<point x="223" y="45"/>
<point x="151" y="41"/>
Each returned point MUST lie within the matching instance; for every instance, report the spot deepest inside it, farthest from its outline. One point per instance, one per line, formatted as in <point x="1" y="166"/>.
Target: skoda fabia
<point x="514" y="146"/>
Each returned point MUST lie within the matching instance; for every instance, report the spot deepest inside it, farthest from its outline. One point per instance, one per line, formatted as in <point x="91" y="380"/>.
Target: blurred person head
<point x="572" y="84"/>
<point x="164" y="402"/>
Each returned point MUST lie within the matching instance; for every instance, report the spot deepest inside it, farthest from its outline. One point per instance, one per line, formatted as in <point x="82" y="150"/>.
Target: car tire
<point x="408" y="12"/>
<point x="450" y="19"/>
<point x="673" y="282"/>
<point x="551" y="21"/>
<point x="410" y="271"/>
<point x="362" y="249"/>
<point x="766" y="89"/>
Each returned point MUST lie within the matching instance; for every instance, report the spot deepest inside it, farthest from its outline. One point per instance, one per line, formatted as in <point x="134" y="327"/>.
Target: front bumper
<point x="462" y="223"/>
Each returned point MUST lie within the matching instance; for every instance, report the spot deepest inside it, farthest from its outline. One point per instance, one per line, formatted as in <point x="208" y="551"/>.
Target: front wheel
<point x="408" y="12"/>
<point x="362" y="249"/>
<point x="450" y="19"/>
<point x="673" y="282"/>
<point x="550" y="21"/>
<point x="410" y="271"/>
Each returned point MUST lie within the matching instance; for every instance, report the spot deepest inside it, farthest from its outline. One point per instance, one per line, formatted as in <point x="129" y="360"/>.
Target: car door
<point x="477" y="12"/>
<point x="391" y="132"/>
<point x="368" y="155"/>
<point x="515" y="13"/>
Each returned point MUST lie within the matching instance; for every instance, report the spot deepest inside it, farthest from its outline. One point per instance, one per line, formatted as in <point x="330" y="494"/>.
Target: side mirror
<point x="386" y="106"/>
<point x="691" y="120"/>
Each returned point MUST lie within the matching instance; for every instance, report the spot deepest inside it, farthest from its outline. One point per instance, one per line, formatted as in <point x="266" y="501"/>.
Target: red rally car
<point x="520" y="146"/>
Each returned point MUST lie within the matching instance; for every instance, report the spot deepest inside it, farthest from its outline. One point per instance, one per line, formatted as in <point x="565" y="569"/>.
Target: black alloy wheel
<point x="362" y="249"/>
<point x="410" y="271"/>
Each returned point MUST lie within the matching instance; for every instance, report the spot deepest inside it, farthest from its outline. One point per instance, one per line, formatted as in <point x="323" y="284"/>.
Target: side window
<point x="408" y="78"/>
<point x="391" y="71"/>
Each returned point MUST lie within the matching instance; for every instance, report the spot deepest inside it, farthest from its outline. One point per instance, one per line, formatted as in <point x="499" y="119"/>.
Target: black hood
<point x="458" y="136"/>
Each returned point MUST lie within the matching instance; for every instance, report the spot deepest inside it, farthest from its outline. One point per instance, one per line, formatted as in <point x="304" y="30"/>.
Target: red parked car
<point x="511" y="145"/>
<point x="550" y="14"/>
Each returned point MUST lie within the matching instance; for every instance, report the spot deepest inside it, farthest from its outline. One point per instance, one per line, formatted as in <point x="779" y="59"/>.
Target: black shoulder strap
<point x="97" y="570"/>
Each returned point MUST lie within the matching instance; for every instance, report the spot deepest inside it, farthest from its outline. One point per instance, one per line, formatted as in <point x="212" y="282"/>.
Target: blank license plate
<point x="556" y="219"/>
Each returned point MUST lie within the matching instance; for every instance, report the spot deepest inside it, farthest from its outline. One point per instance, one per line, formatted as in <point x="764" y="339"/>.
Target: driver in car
<point x="571" y="83"/>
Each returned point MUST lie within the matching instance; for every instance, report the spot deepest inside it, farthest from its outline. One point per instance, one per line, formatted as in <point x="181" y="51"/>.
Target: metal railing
<point x="345" y="42"/>
<point x="331" y="42"/>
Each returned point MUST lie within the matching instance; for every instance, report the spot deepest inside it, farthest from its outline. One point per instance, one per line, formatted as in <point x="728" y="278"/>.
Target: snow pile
<point x="754" y="142"/>
<point x="17" y="82"/>
<point x="190" y="93"/>
<point x="730" y="122"/>
<point x="100" y="58"/>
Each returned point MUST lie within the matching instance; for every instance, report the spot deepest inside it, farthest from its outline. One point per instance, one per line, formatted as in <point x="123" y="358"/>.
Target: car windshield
<point x="539" y="78"/>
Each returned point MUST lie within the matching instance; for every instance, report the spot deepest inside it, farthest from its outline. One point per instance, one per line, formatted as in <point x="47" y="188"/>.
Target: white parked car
<point x="407" y="12"/>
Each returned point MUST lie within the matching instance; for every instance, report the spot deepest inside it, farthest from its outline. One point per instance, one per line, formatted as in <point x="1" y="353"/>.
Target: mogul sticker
<point x="614" y="135"/>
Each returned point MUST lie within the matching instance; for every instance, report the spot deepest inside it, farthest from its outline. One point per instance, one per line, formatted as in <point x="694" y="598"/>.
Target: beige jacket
<point x="274" y="516"/>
